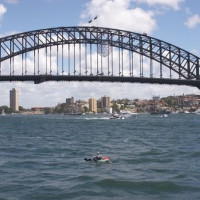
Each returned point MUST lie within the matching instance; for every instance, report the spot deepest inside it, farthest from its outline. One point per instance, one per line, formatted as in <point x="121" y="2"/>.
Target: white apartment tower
<point x="14" y="100"/>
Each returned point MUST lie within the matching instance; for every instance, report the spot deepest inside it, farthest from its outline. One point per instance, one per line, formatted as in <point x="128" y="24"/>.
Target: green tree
<point x="85" y="109"/>
<point x="21" y="108"/>
<point x="115" y="107"/>
<point x="47" y="110"/>
<point x="5" y="108"/>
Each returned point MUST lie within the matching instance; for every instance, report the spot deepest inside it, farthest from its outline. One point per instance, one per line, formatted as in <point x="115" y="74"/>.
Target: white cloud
<point x="175" y="4"/>
<point x="8" y="33"/>
<point x="2" y="11"/>
<point x="193" y="21"/>
<point x="119" y="14"/>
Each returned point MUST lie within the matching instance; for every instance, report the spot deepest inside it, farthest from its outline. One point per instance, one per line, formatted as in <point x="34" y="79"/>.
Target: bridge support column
<point x="197" y="69"/>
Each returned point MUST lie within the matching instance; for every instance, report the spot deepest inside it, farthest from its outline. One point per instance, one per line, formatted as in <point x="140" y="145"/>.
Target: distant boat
<point x="165" y="115"/>
<point x="2" y="112"/>
<point x="127" y="112"/>
<point x="116" y="116"/>
<point x="186" y="112"/>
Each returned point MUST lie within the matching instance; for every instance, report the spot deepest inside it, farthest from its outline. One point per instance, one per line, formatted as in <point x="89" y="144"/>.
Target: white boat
<point x="2" y="112"/>
<point x="165" y="115"/>
<point x="127" y="112"/>
<point x="186" y="112"/>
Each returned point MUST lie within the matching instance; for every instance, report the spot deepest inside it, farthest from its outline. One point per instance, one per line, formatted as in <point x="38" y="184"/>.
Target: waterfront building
<point x="99" y="103"/>
<point x="70" y="101"/>
<point x="156" y="98"/>
<point x="93" y="105"/>
<point x="14" y="100"/>
<point x="81" y="104"/>
<point x="180" y="100"/>
<point x="105" y="102"/>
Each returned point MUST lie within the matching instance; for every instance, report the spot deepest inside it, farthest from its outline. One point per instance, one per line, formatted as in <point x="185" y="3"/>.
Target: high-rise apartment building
<point x="14" y="100"/>
<point x="70" y="101"/>
<point x="93" y="105"/>
<point x="105" y="102"/>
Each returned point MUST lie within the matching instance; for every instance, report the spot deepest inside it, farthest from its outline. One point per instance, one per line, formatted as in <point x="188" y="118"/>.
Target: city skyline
<point x="93" y="102"/>
<point x="176" y="104"/>
<point x="172" y="21"/>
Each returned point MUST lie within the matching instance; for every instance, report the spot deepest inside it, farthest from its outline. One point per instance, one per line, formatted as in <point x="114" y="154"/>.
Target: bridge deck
<point x="44" y="78"/>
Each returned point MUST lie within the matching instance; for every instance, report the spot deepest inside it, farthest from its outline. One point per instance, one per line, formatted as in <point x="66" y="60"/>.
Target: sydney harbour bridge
<point x="95" y="54"/>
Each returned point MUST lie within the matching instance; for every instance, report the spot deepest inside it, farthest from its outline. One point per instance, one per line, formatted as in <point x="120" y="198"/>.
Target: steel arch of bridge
<point x="177" y="60"/>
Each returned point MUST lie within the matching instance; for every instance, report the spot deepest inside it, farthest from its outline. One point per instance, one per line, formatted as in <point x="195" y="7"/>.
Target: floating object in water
<point x="96" y="159"/>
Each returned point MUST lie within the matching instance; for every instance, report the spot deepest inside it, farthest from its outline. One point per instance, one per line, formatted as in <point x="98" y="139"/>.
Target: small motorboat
<point x="116" y="116"/>
<point x="96" y="159"/>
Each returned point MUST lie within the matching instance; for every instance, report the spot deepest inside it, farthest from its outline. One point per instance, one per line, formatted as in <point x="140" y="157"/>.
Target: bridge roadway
<point x="44" y="78"/>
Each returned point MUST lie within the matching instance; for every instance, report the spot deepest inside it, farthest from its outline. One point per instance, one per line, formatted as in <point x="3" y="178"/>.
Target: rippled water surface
<point x="42" y="157"/>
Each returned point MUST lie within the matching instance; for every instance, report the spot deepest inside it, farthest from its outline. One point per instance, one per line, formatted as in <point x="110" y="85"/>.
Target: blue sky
<point x="29" y="15"/>
<point x="174" y="21"/>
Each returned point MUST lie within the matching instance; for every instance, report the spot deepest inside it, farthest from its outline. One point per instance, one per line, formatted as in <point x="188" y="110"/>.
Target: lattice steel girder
<point x="171" y="56"/>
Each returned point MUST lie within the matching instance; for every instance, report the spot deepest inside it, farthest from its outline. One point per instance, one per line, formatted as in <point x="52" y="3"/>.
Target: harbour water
<point x="42" y="157"/>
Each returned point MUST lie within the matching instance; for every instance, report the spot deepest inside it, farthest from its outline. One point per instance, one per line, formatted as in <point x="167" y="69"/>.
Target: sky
<point x="173" y="21"/>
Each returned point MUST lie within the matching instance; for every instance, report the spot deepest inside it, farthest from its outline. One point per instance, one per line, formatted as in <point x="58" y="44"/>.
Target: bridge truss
<point x="95" y="54"/>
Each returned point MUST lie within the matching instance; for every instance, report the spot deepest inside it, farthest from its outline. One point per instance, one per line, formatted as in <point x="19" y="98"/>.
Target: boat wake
<point x="97" y="118"/>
